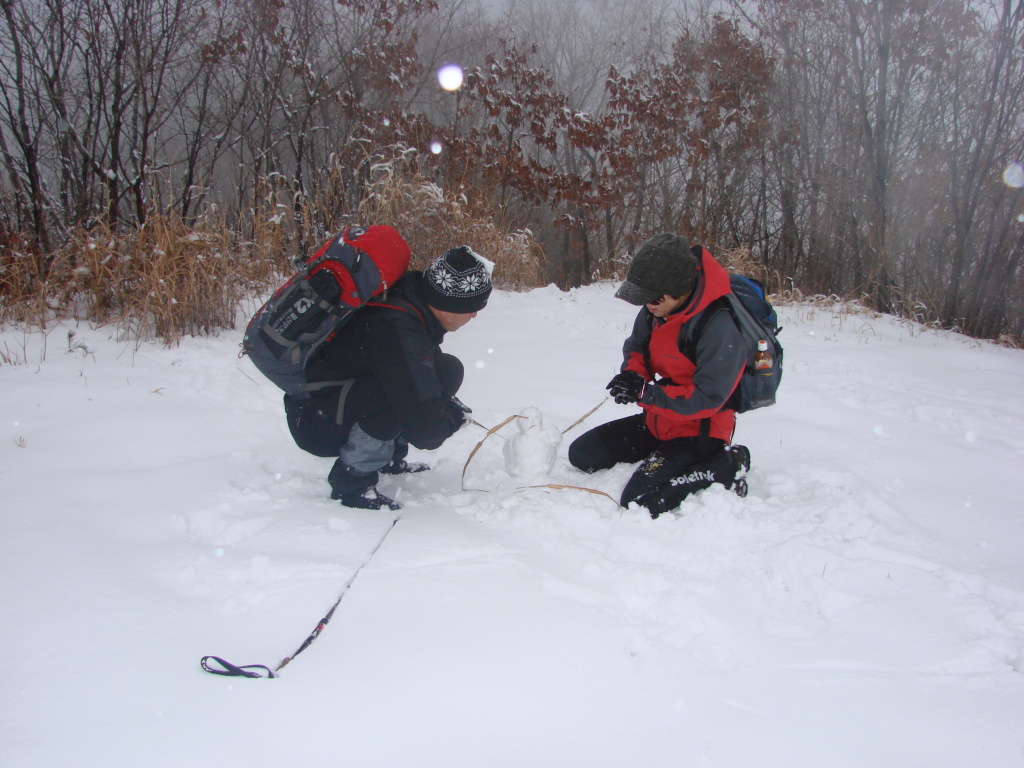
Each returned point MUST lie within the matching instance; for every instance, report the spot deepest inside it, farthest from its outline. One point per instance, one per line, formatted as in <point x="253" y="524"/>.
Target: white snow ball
<point x="529" y="418"/>
<point x="436" y="147"/>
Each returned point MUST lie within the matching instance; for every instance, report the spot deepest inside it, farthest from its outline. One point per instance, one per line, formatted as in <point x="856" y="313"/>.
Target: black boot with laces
<point x="357" y="490"/>
<point x="741" y="457"/>
<point x="371" y="498"/>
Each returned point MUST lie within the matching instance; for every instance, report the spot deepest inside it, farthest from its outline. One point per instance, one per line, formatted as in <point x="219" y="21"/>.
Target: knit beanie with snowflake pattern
<point x="458" y="281"/>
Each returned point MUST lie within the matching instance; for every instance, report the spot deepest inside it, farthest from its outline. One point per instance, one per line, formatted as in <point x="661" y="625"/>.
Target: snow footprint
<point x="224" y="527"/>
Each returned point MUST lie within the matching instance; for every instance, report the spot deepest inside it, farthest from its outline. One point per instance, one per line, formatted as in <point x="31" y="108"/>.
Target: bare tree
<point x="23" y="118"/>
<point x="891" y="118"/>
<point x="981" y="116"/>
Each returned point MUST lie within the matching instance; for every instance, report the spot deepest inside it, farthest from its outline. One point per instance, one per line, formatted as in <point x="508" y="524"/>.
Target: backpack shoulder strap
<point x="690" y="335"/>
<point x="402" y="305"/>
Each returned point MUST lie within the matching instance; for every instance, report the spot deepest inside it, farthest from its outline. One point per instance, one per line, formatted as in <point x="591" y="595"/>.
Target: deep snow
<point x="862" y="607"/>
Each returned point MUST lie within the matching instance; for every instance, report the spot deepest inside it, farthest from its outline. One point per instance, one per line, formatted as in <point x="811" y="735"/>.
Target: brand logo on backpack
<point x="320" y="298"/>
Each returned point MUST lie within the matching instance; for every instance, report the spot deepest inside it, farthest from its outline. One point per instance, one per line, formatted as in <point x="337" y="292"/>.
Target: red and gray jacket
<point x="689" y="380"/>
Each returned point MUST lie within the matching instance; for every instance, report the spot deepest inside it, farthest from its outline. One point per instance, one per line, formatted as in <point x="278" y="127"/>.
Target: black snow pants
<point x="355" y="420"/>
<point x="670" y="470"/>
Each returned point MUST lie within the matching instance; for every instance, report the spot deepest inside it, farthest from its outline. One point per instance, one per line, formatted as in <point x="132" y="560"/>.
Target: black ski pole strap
<point x="326" y="619"/>
<point x="230" y="670"/>
<point x="259" y="670"/>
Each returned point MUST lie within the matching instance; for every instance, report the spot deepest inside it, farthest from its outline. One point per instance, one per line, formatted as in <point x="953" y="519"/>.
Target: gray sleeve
<point x="634" y="349"/>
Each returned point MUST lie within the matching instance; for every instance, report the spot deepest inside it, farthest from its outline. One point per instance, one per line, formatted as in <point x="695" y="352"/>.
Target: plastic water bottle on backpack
<point x="763" y="362"/>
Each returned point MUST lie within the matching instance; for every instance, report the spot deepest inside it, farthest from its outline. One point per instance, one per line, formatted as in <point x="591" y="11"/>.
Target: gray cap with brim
<point x="663" y="265"/>
<point x="634" y="294"/>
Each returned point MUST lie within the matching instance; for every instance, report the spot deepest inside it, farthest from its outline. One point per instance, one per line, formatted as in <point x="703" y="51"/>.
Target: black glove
<point x="626" y="387"/>
<point x="456" y="412"/>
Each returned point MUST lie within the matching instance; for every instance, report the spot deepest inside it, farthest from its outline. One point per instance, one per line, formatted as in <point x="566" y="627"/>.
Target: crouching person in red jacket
<point x="681" y="364"/>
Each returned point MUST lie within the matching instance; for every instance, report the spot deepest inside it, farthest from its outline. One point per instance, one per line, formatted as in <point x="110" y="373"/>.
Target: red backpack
<point x="305" y="312"/>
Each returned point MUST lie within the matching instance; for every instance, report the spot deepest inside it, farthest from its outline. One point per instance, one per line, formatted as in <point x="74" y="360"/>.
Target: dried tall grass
<point x="433" y="221"/>
<point x="742" y="261"/>
<point x="163" y="280"/>
<point x="168" y="279"/>
<point x="24" y="279"/>
<point x="160" y="281"/>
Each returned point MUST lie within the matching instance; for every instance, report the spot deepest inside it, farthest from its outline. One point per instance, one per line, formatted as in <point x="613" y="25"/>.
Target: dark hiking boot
<point x="354" y="489"/>
<point x="371" y="498"/>
<point x="741" y="458"/>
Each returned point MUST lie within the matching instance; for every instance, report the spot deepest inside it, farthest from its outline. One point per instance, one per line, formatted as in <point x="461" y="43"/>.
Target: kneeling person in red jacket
<point x="383" y="383"/>
<point x="681" y="364"/>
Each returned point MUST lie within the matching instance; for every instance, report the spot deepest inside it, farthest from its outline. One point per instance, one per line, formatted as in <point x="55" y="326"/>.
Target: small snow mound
<point x="531" y="453"/>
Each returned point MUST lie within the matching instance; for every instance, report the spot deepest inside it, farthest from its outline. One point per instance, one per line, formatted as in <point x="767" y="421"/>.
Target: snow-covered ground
<point x="863" y="607"/>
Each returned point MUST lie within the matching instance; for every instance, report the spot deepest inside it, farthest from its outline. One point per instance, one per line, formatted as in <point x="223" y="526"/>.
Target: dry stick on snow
<point x="472" y="453"/>
<point x="585" y="416"/>
<point x="250" y="378"/>
<point x="477" y="423"/>
<point x="573" y="488"/>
